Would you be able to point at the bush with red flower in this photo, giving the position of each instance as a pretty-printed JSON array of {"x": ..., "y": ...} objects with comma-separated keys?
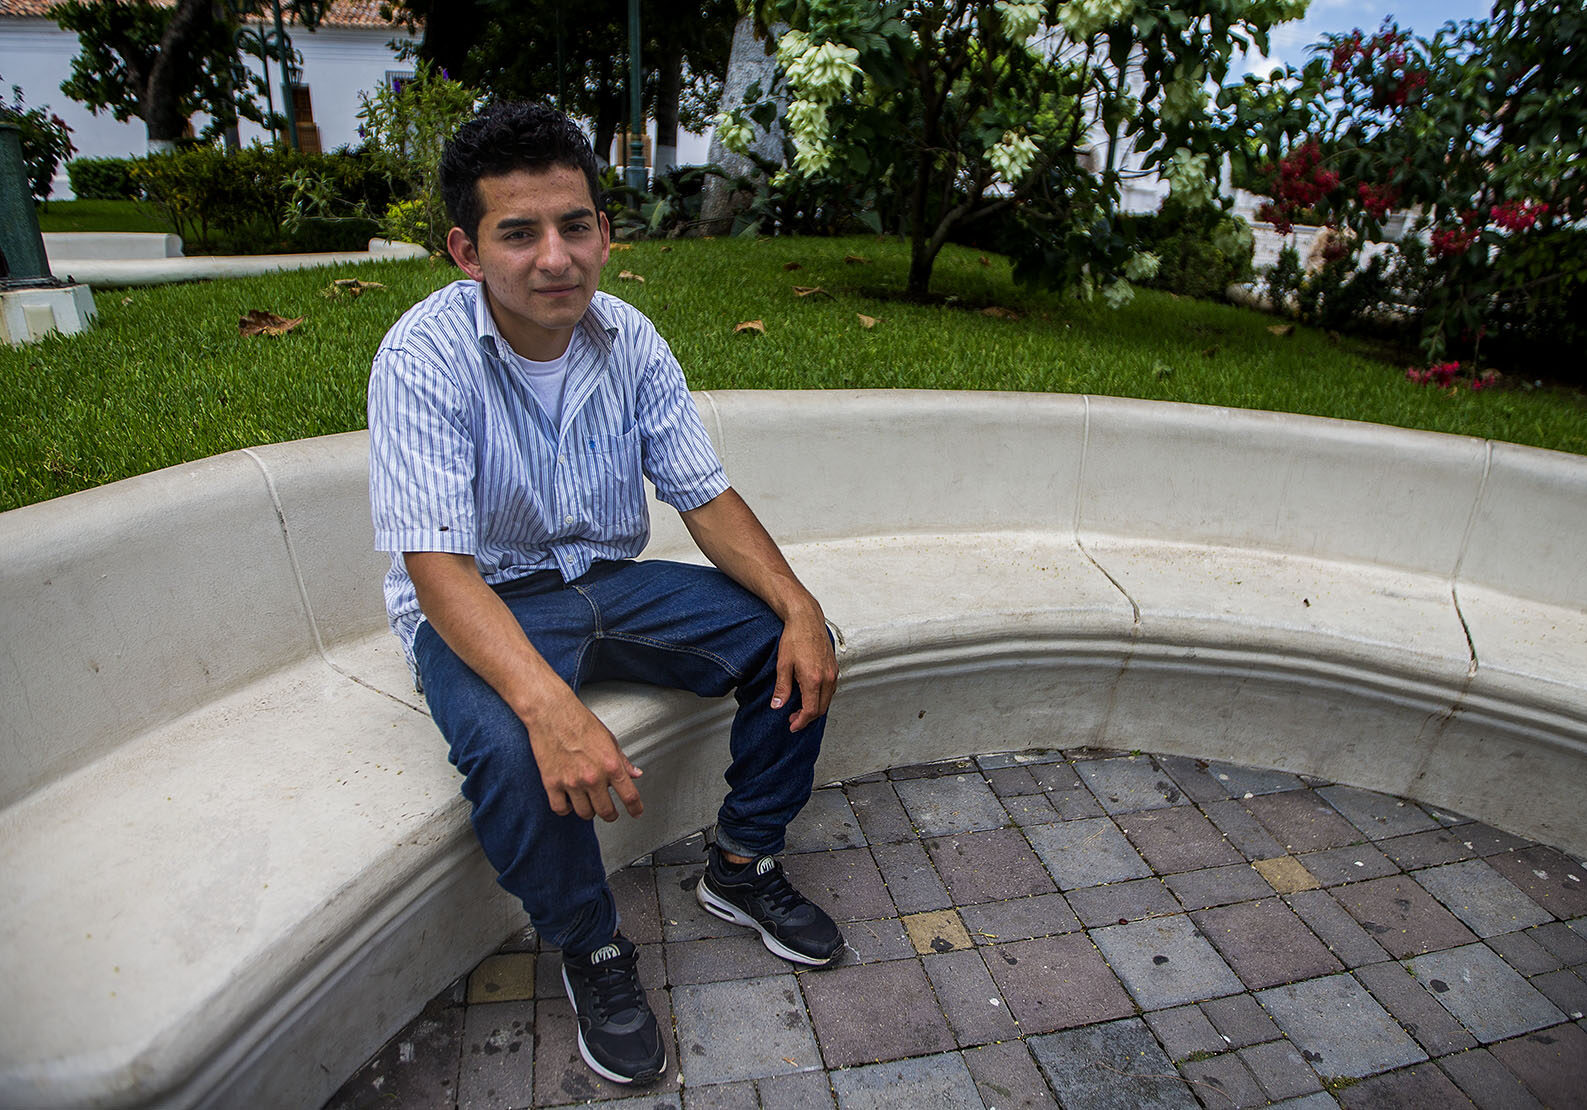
[{"x": 1479, "y": 131}]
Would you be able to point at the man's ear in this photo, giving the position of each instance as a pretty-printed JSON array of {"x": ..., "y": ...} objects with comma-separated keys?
[
  {"x": 461, "y": 248},
  {"x": 606, "y": 237}
]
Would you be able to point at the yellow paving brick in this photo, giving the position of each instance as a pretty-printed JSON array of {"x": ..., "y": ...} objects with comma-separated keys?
[
  {"x": 505, "y": 978},
  {"x": 937, "y": 931},
  {"x": 1286, "y": 874}
]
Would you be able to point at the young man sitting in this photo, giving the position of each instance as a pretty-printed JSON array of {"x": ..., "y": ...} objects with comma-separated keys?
[{"x": 512, "y": 417}]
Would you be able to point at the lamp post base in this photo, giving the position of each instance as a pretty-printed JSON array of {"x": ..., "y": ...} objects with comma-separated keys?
[{"x": 27, "y": 315}]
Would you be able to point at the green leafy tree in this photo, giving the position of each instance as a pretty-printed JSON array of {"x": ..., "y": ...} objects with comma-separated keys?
[
  {"x": 162, "y": 63},
  {"x": 970, "y": 112},
  {"x": 1478, "y": 129},
  {"x": 579, "y": 59}
]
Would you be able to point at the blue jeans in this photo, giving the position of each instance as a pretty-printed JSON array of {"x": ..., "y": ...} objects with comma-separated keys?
[{"x": 662, "y": 623}]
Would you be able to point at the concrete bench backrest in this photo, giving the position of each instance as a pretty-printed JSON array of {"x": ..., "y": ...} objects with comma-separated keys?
[
  {"x": 1527, "y": 535},
  {"x": 817, "y": 465},
  {"x": 131, "y": 604},
  {"x": 134, "y": 603},
  {"x": 1327, "y": 489}
]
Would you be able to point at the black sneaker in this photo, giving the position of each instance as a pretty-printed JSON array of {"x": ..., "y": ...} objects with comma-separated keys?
[
  {"x": 618, "y": 1036},
  {"x": 757, "y": 895}
]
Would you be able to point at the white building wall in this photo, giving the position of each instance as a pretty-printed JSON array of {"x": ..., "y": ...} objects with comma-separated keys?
[
  {"x": 338, "y": 64},
  {"x": 37, "y": 55}
]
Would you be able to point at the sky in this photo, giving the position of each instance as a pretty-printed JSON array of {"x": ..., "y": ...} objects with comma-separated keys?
[{"x": 1422, "y": 17}]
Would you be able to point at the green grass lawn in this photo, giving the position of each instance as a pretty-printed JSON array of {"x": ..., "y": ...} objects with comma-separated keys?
[
  {"x": 100, "y": 215},
  {"x": 165, "y": 377}
]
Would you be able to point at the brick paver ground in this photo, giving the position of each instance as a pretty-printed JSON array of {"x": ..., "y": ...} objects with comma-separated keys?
[{"x": 1070, "y": 929}]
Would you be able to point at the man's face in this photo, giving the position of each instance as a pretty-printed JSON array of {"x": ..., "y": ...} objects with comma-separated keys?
[{"x": 539, "y": 253}]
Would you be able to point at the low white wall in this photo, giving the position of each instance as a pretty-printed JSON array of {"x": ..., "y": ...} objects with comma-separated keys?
[{"x": 109, "y": 271}]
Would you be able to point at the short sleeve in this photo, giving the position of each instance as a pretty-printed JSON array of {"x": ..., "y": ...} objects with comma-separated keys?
[
  {"x": 421, "y": 457},
  {"x": 677, "y": 453}
]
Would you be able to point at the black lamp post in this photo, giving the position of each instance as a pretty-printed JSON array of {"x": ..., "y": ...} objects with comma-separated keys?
[
  {"x": 634, "y": 175},
  {"x": 23, "y": 264}
]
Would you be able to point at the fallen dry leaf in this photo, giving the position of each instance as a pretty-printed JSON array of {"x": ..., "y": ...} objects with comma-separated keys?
[
  {"x": 622, "y": 246},
  {"x": 260, "y": 322},
  {"x": 1281, "y": 329},
  {"x": 999, "y": 312},
  {"x": 809, "y": 291},
  {"x": 126, "y": 300},
  {"x": 792, "y": 266},
  {"x": 866, "y": 321},
  {"x": 629, "y": 275},
  {"x": 750, "y": 325},
  {"x": 664, "y": 250},
  {"x": 856, "y": 260},
  {"x": 352, "y": 287},
  {"x": 985, "y": 261}
]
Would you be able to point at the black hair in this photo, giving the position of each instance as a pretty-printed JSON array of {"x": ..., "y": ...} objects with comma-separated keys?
[{"x": 505, "y": 136}]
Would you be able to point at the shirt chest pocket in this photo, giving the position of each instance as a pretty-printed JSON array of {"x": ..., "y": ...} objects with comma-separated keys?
[{"x": 610, "y": 475}]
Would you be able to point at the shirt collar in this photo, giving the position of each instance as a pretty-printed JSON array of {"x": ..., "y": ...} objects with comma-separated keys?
[{"x": 594, "y": 324}]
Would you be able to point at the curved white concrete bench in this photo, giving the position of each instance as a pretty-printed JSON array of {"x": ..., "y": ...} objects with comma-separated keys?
[
  {"x": 112, "y": 272},
  {"x": 234, "y": 854}
]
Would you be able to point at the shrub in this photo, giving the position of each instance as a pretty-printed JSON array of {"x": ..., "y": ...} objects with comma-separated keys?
[
  {"x": 408, "y": 130},
  {"x": 267, "y": 199},
  {"x": 102, "y": 178},
  {"x": 1200, "y": 251},
  {"x": 1480, "y": 130}
]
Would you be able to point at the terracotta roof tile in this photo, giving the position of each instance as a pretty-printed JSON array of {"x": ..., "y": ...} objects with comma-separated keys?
[{"x": 342, "y": 13}]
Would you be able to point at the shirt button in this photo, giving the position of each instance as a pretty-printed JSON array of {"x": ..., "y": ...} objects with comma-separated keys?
[
  {"x": 567, "y": 520},
  {"x": 562, "y": 458}
]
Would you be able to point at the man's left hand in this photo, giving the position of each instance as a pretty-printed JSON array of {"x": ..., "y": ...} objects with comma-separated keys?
[{"x": 805, "y": 657}]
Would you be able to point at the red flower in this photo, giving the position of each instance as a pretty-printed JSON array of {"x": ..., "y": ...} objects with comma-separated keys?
[
  {"x": 1452, "y": 241},
  {"x": 1517, "y": 215}
]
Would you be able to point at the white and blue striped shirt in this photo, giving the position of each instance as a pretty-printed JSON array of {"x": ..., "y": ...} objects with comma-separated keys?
[{"x": 463, "y": 459}]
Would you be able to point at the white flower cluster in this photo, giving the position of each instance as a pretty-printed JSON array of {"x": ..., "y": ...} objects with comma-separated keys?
[
  {"x": 1185, "y": 96},
  {"x": 734, "y": 131},
  {"x": 1019, "y": 19},
  {"x": 818, "y": 76},
  {"x": 1084, "y": 18},
  {"x": 1188, "y": 181},
  {"x": 1118, "y": 293},
  {"x": 1141, "y": 266},
  {"x": 1012, "y": 157}
]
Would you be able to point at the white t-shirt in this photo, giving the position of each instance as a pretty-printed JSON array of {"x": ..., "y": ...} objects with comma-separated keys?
[{"x": 546, "y": 379}]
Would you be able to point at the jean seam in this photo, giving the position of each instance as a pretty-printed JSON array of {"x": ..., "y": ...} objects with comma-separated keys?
[
  {"x": 686, "y": 649},
  {"x": 589, "y": 641}
]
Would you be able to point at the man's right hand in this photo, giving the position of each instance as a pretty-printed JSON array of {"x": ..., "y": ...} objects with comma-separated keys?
[{"x": 580, "y": 762}]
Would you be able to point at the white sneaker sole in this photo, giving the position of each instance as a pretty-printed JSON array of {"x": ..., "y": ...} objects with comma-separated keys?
[
  {"x": 719, "y": 907},
  {"x": 642, "y": 1079}
]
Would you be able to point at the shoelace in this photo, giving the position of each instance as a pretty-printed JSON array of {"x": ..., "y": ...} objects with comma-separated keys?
[
  {"x": 777, "y": 892},
  {"x": 614, "y": 987}
]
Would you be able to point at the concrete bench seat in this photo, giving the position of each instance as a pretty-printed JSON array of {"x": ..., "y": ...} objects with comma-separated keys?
[{"x": 235, "y": 855}]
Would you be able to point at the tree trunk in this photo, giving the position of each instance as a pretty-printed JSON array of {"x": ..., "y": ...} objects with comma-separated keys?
[
  {"x": 172, "y": 73},
  {"x": 747, "y": 64},
  {"x": 669, "y": 92},
  {"x": 922, "y": 257}
]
